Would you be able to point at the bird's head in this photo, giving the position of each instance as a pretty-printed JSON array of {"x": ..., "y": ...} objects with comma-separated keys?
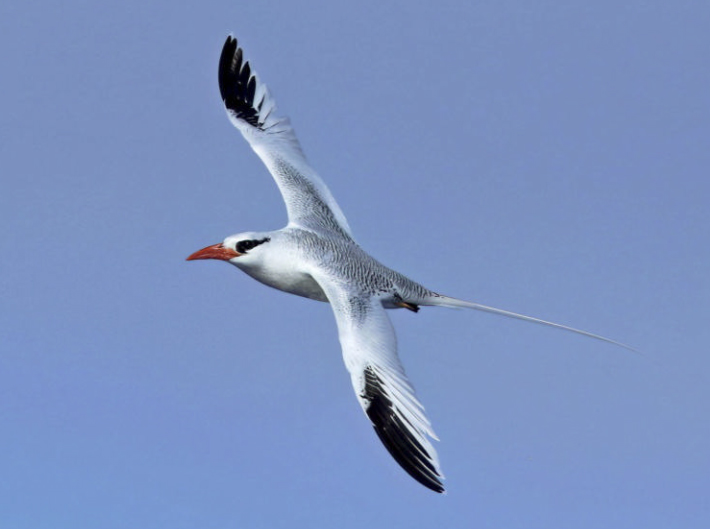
[{"x": 237, "y": 249}]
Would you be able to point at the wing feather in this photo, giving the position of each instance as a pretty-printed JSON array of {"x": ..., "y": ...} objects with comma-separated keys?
[
  {"x": 388, "y": 399},
  {"x": 251, "y": 109}
]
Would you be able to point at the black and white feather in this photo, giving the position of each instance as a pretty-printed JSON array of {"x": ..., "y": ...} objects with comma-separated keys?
[
  {"x": 252, "y": 110},
  {"x": 369, "y": 347}
]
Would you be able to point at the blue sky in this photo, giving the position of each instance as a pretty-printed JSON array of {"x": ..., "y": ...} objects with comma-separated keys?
[{"x": 547, "y": 158}]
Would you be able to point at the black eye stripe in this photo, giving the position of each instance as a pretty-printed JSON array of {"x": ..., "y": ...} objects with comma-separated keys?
[{"x": 245, "y": 246}]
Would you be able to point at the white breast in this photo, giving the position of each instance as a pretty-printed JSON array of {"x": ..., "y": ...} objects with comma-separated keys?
[{"x": 277, "y": 270}]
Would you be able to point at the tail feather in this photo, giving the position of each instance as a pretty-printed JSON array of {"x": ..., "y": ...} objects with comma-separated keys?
[{"x": 445, "y": 301}]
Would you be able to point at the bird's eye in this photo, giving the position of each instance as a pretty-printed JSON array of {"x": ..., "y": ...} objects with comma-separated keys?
[{"x": 245, "y": 246}]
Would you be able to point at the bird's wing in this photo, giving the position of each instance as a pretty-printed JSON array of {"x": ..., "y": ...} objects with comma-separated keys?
[
  {"x": 252, "y": 110},
  {"x": 370, "y": 352}
]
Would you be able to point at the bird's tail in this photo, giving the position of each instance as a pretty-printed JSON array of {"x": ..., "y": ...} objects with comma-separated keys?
[{"x": 445, "y": 301}]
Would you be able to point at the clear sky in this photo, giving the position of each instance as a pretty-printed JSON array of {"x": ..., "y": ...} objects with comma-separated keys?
[{"x": 549, "y": 158}]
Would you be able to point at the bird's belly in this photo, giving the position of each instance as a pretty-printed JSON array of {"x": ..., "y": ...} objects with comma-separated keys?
[{"x": 293, "y": 282}]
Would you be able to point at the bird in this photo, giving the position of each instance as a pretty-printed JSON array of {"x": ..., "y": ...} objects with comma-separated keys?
[{"x": 315, "y": 256}]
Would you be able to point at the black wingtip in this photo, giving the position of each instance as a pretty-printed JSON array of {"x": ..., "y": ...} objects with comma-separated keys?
[
  {"x": 397, "y": 437},
  {"x": 237, "y": 84},
  {"x": 225, "y": 64}
]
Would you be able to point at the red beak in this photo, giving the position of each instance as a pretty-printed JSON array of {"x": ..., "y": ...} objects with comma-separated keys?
[{"x": 216, "y": 251}]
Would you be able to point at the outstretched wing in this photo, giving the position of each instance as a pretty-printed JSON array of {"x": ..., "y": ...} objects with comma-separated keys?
[
  {"x": 386, "y": 396},
  {"x": 252, "y": 110}
]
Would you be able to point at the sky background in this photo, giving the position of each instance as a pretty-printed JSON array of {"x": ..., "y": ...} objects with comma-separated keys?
[{"x": 549, "y": 158}]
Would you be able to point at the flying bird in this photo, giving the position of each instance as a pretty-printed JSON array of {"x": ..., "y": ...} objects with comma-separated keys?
[{"x": 315, "y": 256}]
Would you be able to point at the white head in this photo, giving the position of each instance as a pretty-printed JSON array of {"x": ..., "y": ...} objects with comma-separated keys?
[{"x": 239, "y": 249}]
